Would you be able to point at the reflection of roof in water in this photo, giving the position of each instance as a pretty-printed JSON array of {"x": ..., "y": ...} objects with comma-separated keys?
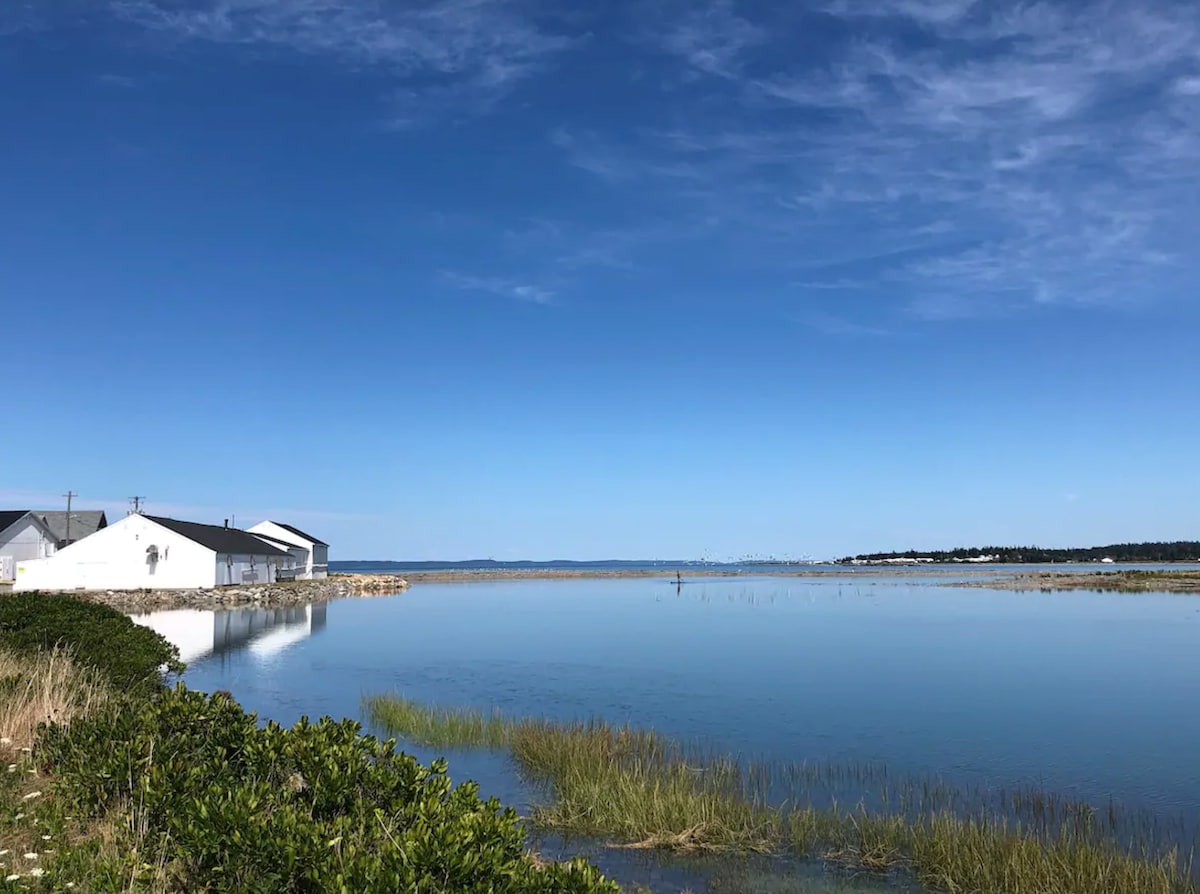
[{"x": 274, "y": 642}]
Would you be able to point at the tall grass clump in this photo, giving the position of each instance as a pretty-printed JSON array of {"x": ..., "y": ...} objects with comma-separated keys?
[
  {"x": 443, "y": 727},
  {"x": 647, "y": 791},
  {"x": 46, "y": 687}
]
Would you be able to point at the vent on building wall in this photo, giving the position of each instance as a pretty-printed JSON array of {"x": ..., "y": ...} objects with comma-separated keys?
[{"x": 152, "y": 553}]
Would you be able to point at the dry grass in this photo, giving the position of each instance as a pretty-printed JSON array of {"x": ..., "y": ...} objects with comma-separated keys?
[
  {"x": 40, "y": 689},
  {"x": 34, "y": 690}
]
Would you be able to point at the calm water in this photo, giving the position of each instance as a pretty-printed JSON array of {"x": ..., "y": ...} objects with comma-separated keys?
[{"x": 1090, "y": 695}]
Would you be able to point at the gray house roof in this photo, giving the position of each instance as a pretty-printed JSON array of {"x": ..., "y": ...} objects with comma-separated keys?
[
  {"x": 83, "y": 523},
  {"x": 9, "y": 517}
]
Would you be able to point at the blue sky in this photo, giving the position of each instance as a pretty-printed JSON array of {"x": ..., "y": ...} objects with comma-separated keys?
[{"x": 509, "y": 278}]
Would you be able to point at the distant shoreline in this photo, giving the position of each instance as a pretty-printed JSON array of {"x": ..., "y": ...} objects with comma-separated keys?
[
  {"x": 463, "y": 575},
  {"x": 981, "y": 576}
]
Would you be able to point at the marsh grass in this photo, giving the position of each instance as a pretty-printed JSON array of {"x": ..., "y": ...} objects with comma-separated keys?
[
  {"x": 444, "y": 727},
  {"x": 646, "y": 791}
]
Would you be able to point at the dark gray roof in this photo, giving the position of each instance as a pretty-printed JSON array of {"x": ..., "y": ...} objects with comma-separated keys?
[
  {"x": 83, "y": 522},
  {"x": 9, "y": 517},
  {"x": 218, "y": 539},
  {"x": 300, "y": 533}
]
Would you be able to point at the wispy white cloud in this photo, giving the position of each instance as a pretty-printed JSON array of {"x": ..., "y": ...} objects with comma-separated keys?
[
  {"x": 502, "y": 286},
  {"x": 1188, "y": 86},
  {"x": 930, "y": 12},
  {"x": 834, "y": 326},
  {"x": 712, "y": 38},
  {"x": 123, "y": 82},
  {"x": 966, "y": 153},
  {"x": 1025, "y": 153},
  {"x": 472, "y": 51}
]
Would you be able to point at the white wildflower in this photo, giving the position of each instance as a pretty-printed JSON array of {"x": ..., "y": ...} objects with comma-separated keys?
[
  {"x": 27, "y": 750},
  {"x": 45, "y": 838},
  {"x": 37, "y": 871},
  {"x": 5, "y": 740},
  {"x": 30, "y": 856},
  {"x": 18, "y": 817},
  {"x": 31, "y": 796},
  {"x": 16, "y": 876},
  {"x": 12, "y": 768},
  {"x": 5, "y": 852}
]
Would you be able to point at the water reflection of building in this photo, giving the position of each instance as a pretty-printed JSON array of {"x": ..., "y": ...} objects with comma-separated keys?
[{"x": 263, "y": 631}]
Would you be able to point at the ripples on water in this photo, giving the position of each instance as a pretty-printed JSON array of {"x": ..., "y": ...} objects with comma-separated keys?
[{"x": 893, "y": 691}]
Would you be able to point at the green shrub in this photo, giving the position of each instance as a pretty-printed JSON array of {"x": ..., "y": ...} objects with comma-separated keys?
[
  {"x": 128, "y": 654},
  {"x": 221, "y": 804}
]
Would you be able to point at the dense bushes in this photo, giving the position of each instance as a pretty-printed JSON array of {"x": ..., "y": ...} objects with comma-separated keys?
[
  {"x": 215, "y": 802},
  {"x": 166, "y": 790},
  {"x": 97, "y": 636}
]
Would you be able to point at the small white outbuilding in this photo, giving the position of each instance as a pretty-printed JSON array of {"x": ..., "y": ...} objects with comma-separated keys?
[
  {"x": 147, "y": 552},
  {"x": 316, "y": 562}
]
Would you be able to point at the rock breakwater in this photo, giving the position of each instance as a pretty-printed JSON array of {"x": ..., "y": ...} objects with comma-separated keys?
[{"x": 278, "y": 595}]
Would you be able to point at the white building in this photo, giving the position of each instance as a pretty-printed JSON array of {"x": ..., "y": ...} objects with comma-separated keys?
[
  {"x": 146, "y": 552},
  {"x": 23, "y": 535},
  {"x": 316, "y": 563},
  {"x": 300, "y": 557}
]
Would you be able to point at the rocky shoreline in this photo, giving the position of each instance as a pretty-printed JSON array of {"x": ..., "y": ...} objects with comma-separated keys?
[{"x": 279, "y": 595}]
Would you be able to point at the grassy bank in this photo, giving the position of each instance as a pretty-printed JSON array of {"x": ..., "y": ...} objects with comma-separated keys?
[
  {"x": 114, "y": 782},
  {"x": 645, "y": 791}
]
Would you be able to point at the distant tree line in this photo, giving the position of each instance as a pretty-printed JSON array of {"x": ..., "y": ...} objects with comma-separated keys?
[{"x": 1175, "y": 551}]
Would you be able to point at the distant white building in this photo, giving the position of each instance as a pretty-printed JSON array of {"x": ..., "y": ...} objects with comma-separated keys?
[
  {"x": 23, "y": 535},
  {"x": 316, "y": 561},
  {"x": 147, "y": 552}
]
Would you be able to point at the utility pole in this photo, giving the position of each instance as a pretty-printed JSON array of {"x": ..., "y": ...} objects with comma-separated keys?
[
  {"x": 70, "y": 495},
  {"x": 137, "y": 504}
]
